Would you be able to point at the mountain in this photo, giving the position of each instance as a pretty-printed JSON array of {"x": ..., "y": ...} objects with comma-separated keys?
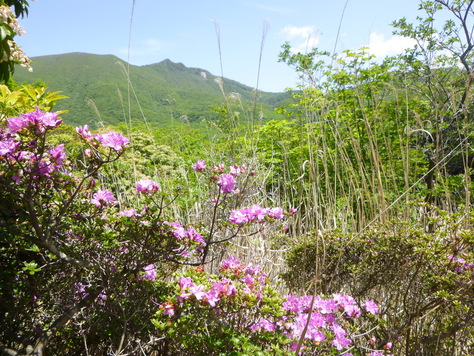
[{"x": 164, "y": 92}]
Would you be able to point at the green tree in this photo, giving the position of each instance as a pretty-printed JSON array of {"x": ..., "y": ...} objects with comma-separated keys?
[{"x": 10, "y": 53}]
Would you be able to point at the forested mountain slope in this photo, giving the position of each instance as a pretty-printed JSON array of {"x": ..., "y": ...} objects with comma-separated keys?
[{"x": 98, "y": 91}]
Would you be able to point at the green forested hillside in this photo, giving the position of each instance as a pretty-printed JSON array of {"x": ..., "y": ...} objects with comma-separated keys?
[{"x": 161, "y": 91}]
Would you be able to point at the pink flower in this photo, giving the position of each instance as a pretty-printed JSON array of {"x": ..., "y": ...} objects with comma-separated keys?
[
  {"x": 211, "y": 297},
  {"x": 103, "y": 198},
  {"x": 47, "y": 119},
  {"x": 200, "y": 166},
  {"x": 235, "y": 170},
  {"x": 275, "y": 213},
  {"x": 168, "y": 308},
  {"x": 219, "y": 168},
  {"x": 84, "y": 132},
  {"x": 146, "y": 185},
  {"x": 248, "y": 280},
  {"x": 36, "y": 120},
  {"x": 150, "y": 272},
  {"x": 193, "y": 235},
  {"x": 263, "y": 325},
  {"x": 252, "y": 270},
  {"x": 185, "y": 282},
  {"x": 371, "y": 307},
  {"x": 226, "y": 183},
  {"x": 224, "y": 288},
  {"x": 238, "y": 217},
  {"x": 58, "y": 155},
  {"x": 197, "y": 291},
  {"x": 113, "y": 140},
  {"x": 16, "y": 124},
  {"x": 256, "y": 212},
  {"x": 129, "y": 213},
  {"x": 8, "y": 146},
  {"x": 340, "y": 341},
  {"x": 231, "y": 263}
]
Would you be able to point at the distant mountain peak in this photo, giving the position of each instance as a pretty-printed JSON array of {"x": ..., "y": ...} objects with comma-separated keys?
[{"x": 87, "y": 78}]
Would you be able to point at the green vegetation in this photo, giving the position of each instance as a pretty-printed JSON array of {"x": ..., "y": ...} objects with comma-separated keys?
[
  {"x": 167, "y": 94},
  {"x": 341, "y": 223}
]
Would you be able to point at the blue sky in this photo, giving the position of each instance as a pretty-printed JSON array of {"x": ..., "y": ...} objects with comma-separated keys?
[{"x": 188, "y": 31}]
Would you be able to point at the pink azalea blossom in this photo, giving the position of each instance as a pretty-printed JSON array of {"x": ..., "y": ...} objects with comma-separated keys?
[
  {"x": 248, "y": 280},
  {"x": 371, "y": 307},
  {"x": 168, "y": 308},
  {"x": 193, "y": 235},
  {"x": 263, "y": 325},
  {"x": 113, "y": 140},
  {"x": 231, "y": 263},
  {"x": 255, "y": 212},
  {"x": 235, "y": 170},
  {"x": 128, "y": 213},
  {"x": 103, "y": 198},
  {"x": 340, "y": 341},
  {"x": 57, "y": 154},
  {"x": 200, "y": 166},
  {"x": 224, "y": 288},
  {"x": 219, "y": 168},
  {"x": 275, "y": 213},
  {"x": 146, "y": 185},
  {"x": 150, "y": 272},
  {"x": 211, "y": 297},
  {"x": 8, "y": 146},
  {"x": 36, "y": 119},
  {"x": 185, "y": 282},
  {"x": 251, "y": 270},
  {"x": 226, "y": 183},
  {"x": 84, "y": 132},
  {"x": 238, "y": 217},
  {"x": 197, "y": 291}
]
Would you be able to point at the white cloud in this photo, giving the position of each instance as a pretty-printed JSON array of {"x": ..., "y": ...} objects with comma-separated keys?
[
  {"x": 302, "y": 39},
  {"x": 381, "y": 47}
]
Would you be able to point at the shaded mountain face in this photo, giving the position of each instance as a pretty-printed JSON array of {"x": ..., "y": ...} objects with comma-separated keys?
[{"x": 99, "y": 90}]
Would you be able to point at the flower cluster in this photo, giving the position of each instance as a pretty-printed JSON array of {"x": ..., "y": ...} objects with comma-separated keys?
[
  {"x": 103, "y": 198},
  {"x": 225, "y": 181},
  {"x": 460, "y": 265},
  {"x": 147, "y": 186},
  {"x": 113, "y": 140},
  {"x": 200, "y": 166},
  {"x": 36, "y": 121},
  {"x": 9, "y": 25},
  {"x": 189, "y": 234},
  {"x": 26, "y": 154},
  {"x": 325, "y": 318},
  {"x": 322, "y": 321},
  {"x": 242, "y": 280},
  {"x": 149, "y": 272},
  {"x": 255, "y": 213},
  {"x": 7, "y": 17}
]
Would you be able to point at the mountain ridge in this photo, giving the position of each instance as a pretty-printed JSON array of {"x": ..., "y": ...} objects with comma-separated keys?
[{"x": 98, "y": 90}]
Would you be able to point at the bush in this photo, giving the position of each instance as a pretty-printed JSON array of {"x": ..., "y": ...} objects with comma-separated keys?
[
  {"x": 421, "y": 281},
  {"x": 83, "y": 272}
]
